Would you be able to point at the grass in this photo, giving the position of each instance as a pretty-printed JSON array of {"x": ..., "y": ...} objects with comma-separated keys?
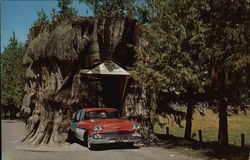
[
  {"x": 208, "y": 149},
  {"x": 204, "y": 150},
  {"x": 237, "y": 124}
]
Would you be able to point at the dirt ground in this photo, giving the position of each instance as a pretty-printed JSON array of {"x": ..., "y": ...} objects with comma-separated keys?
[{"x": 12, "y": 149}]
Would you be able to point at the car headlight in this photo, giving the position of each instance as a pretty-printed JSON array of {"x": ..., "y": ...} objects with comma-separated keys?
[
  {"x": 97, "y": 136},
  {"x": 97, "y": 128},
  {"x": 136, "y": 126}
]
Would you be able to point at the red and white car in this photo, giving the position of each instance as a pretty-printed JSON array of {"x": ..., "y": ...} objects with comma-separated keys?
[{"x": 102, "y": 126}]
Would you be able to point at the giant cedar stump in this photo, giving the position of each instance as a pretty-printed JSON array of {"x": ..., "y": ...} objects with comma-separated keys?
[{"x": 54, "y": 56}]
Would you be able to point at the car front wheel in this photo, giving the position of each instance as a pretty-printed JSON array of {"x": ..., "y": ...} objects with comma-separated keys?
[
  {"x": 89, "y": 144},
  {"x": 130, "y": 144}
]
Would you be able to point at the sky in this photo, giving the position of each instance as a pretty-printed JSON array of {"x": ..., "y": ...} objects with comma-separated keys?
[{"x": 19, "y": 15}]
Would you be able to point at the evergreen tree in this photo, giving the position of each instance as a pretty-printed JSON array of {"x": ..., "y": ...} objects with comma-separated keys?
[
  {"x": 228, "y": 60},
  {"x": 171, "y": 62},
  {"x": 146, "y": 11},
  {"x": 41, "y": 19},
  {"x": 65, "y": 11},
  {"x": 53, "y": 15},
  {"x": 102, "y": 8},
  {"x": 199, "y": 51},
  {"x": 12, "y": 76}
]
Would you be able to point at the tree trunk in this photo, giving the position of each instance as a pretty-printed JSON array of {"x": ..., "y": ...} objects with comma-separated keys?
[
  {"x": 189, "y": 117},
  {"x": 5, "y": 113},
  {"x": 47, "y": 126},
  {"x": 55, "y": 56},
  {"x": 12, "y": 112},
  {"x": 49, "y": 112},
  {"x": 140, "y": 106},
  {"x": 223, "y": 126},
  {"x": 153, "y": 107}
]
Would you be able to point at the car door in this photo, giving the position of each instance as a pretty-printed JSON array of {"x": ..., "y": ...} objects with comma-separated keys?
[
  {"x": 79, "y": 130},
  {"x": 74, "y": 122}
]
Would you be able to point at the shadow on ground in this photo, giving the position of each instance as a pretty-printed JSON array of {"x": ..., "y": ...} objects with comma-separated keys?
[
  {"x": 103, "y": 147},
  {"x": 207, "y": 150}
]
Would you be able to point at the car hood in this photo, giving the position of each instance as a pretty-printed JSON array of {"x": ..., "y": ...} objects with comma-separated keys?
[{"x": 112, "y": 124}]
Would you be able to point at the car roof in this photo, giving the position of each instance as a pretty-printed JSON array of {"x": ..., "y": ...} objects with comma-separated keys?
[{"x": 95, "y": 109}]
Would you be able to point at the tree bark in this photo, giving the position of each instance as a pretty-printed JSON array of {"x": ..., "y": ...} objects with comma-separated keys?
[
  {"x": 152, "y": 110},
  {"x": 223, "y": 125},
  {"x": 140, "y": 106},
  {"x": 189, "y": 117},
  {"x": 55, "y": 56},
  {"x": 12, "y": 112},
  {"x": 5, "y": 112}
]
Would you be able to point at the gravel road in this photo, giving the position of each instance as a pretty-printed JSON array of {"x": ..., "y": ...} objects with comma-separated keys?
[{"x": 12, "y": 149}]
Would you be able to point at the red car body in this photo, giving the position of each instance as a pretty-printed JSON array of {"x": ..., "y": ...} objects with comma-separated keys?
[{"x": 103, "y": 125}]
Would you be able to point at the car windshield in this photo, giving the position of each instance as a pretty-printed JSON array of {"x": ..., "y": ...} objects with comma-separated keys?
[{"x": 102, "y": 114}]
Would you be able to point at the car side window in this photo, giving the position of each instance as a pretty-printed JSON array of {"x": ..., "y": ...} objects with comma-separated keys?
[
  {"x": 78, "y": 115},
  {"x": 82, "y": 116}
]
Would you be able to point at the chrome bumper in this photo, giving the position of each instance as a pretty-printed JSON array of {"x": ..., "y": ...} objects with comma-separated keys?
[{"x": 114, "y": 137}]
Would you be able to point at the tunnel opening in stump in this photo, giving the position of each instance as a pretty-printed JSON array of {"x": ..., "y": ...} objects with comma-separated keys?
[{"x": 113, "y": 81}]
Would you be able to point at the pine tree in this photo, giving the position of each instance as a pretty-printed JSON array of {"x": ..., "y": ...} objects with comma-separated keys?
[
  {"x": 12, "y": 75},
  {"x": 42, "y": 18},
  {"x": 66, "y": 11},
  {"x": 171, "y": 63},
  {"x": 199, "y": 51},
  {"x": 102, "y": 8},
  {"x": 228, "y": 60},
  {"x": 53, "y": 15},
  {"x": 146, "y": 11}
]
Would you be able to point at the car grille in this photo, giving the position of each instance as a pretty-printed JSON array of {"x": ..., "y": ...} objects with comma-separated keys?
[{"x": 118, "y": 134}]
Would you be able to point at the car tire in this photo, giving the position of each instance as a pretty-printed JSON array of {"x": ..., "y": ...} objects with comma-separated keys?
[
  {"x": 71, "y": 137},
  {"x": 89, "y": 145},
  {"x": 130, "y": 144}
]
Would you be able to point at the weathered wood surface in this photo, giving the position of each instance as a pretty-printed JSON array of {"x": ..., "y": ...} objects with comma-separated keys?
[{"x": 54, "y": 57}]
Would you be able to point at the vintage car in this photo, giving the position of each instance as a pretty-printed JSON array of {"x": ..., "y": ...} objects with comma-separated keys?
[{"x": 103, "y": 125}]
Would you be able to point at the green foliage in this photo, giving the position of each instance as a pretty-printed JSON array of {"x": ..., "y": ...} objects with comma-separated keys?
[
  {"x": 171, "y": 63},
  {"x": 53, "y": 15},
  {"x": 146, "y": 11},
  {"x": 198, "y": 51},
  {"x": 12, "y": 74},
  {"x": 172, "y": 60},
  {"x": 66, "y": 11},
  {"x": 228, "y": 56},
  {"x": 41, "y": 19},
  {"x": 102, "y": 8}
]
